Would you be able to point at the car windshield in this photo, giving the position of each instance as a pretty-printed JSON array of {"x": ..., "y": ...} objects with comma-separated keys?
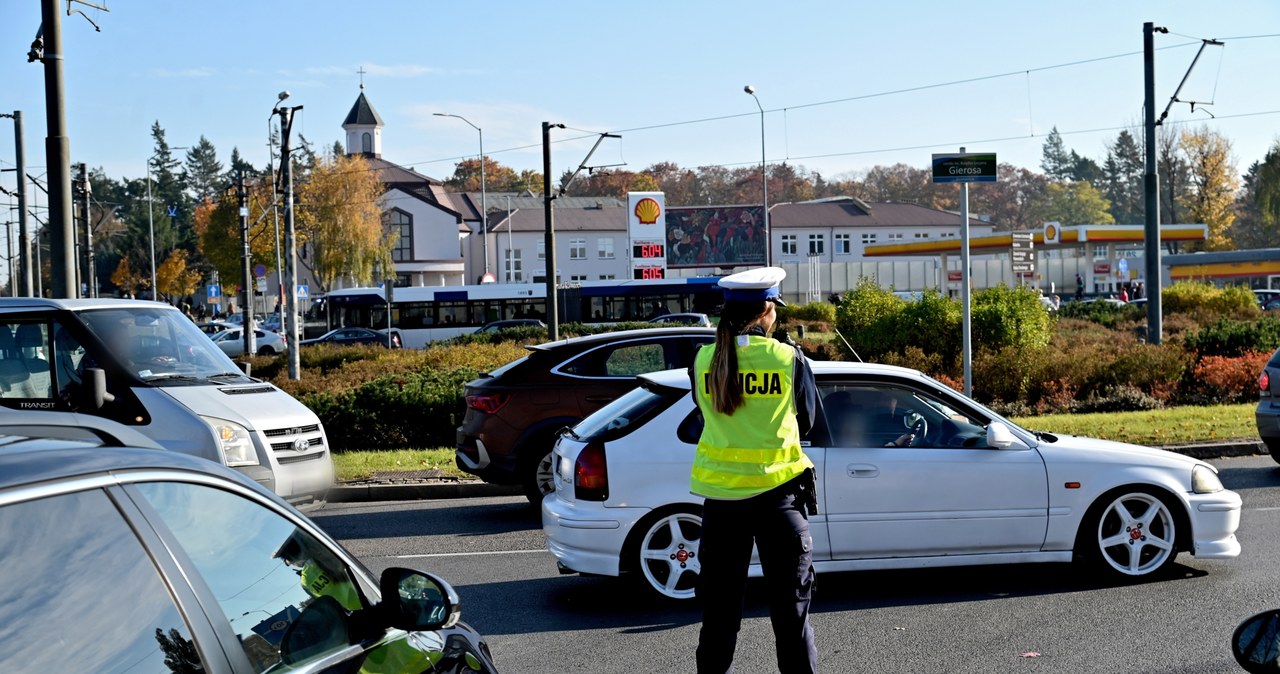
[{"x": 157, "y": 343}]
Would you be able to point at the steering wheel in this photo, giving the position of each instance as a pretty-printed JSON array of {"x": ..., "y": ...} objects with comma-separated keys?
[{"x": 918, "y": 430}]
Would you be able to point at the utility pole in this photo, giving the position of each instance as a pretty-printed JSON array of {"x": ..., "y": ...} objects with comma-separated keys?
[
  {"x": 58, "y": 149},
  {"x": 246, "y": 308},
  {"x": 91, "y": 271},
  {"x": 553, "y": 314},
  {"x": 24, "y": 244},
  {"x": 1151, "y": 186},
  {"x": 290, "y": 243}
]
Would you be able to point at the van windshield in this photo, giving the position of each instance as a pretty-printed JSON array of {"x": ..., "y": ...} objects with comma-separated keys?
[{"x": 157, "y": 343}]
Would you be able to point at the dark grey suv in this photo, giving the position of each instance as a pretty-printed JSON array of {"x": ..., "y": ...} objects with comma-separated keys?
[
  {"x": 1268, "y": 413},
  {"x": 125, "y": 559}
]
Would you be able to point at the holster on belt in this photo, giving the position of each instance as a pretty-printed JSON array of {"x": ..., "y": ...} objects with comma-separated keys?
[{"x": 808, "y": 497}]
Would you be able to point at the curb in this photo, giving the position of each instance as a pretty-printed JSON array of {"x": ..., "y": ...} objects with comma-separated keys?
[{"x": 369, "y": 493}]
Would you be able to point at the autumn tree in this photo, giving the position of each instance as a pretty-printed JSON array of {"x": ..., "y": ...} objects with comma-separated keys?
[
  {"x": 218, "y": 224},
  {"x": 174, "y": 278},
  {"x": 1175, "y": 175},
  {"x": 497, "y": 178},
  {"x": 608, "y": 183},
  {"x": 338, "y": 214},
  {"x": 1212, "y": 173},
  {"x": 1014, "y": 201},
  {"x": 1074, "y": 203},
  {"x": 127, "y": 280}
]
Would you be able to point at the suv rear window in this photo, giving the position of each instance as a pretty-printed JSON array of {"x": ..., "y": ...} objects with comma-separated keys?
[{"x": 625, "y": 414}]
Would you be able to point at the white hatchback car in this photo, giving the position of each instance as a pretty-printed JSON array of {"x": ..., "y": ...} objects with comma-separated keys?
[
  {"x": 970, "y": 488},
  {"x": 267, "y": 343}
]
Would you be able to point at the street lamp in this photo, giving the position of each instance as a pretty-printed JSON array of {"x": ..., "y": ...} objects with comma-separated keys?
[
  {"x": 151, "y": 226},
  {"x": 484, "y": 202},
  {"x": 764, "y": 179}
]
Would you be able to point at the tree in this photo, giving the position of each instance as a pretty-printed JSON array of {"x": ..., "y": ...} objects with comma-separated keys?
[
  {"x": 204, "y": 171},
  {"x": 1014, "y": 201},
  {"x": 174, "y": 278},
  {"x": 1074, "y": 203},
  {"x": 1175, "y": 180},
  {"x": 238, "y": 167},
  {"x": 338, "y": 213},
  {"x": 1122, "y": 179},
  {"x": 498, "y": 178},
  {"x": 127, "y": 280},
  {"x": 1258, "y": 206},
  {"x": 218, "y": 224},
  {"x": 1057, "y": 162},
  {"x": 1084, "y": 168},
  {"x": 1214, "y": 183}
]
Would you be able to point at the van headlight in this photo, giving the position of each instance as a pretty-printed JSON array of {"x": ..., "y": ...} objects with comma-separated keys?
[
  {"x": 1204, "y": 480},
  {"x": 234, "y": 441}
]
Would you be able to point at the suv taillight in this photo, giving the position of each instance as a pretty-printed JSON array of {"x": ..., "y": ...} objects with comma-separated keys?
[
  {"x": 1264, "y": 383},
  {"x": 591, "y": 474},
  {"x": 489, "y": 404}
]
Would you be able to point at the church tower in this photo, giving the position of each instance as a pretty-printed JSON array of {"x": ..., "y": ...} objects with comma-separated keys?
[{"x": 364, "y": 128}]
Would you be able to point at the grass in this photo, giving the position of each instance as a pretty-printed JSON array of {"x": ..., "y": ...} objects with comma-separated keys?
[{"x": 1173, "y": 426}]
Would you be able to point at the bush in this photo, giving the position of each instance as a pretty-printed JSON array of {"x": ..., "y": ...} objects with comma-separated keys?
[
  {"x": 931, "y": 325},
  {"x": 421, "y": 409},
  {"x": 867, "y": 317},
  {"x": 814, "y": 312},
  {"x": 1004, "y": 317},
  {"x": 1229, "y": 379},
  {"x": 1102, "y": 313},
  {"x": 1230, "y": 337},
  {"x": 1199, "y": 298},
  {"x": 1123, "y": 398}
]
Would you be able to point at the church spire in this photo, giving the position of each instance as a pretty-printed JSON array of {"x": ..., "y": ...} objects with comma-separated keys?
[{"x": 363, "y": 126}]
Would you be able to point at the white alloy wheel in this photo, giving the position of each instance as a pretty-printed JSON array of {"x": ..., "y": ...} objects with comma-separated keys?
[
  {"x": 668, "y": 554},
  {"x": 545, "y": 479},
  {"x": 1135, "y": 534}
]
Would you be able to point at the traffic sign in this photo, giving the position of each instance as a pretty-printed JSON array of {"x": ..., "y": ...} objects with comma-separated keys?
[
  {"x": 259, "y": 270},
  {"x": 303, "y": 292},
  {"x": 964, "y": 167}
]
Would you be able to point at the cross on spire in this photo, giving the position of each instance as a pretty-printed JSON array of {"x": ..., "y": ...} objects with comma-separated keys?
[{"x": 362, "y": 74}]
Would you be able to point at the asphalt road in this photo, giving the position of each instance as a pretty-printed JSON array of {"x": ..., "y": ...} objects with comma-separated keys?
[{"x": 1027, "y": 618}]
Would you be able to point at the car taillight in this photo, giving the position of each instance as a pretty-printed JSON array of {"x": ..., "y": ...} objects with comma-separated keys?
[
  {"x": 489, "y": 404},
  {"x": 1264, "y": 383},
  {"x": 591, "y": 474}
]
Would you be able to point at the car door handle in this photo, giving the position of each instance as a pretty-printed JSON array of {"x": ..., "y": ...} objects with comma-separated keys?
[{"x": 862, "y": 470}]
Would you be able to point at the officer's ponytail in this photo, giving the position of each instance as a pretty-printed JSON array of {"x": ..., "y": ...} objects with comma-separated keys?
[{"x": 735, "y": 319}]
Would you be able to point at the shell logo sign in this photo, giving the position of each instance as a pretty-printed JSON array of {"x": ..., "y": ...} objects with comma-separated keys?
[
  {"x": 1052, "y": 231},
  {"x": 647, "y": 211}
]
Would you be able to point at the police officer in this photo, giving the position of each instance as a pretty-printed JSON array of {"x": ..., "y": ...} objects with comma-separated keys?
[{"x": 757, "y": 397}]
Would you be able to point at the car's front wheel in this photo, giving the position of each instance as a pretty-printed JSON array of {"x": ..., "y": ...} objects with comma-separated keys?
[
  {"x": 266, "y": 351},
  {"x": 1130, "y": 533},
  {"x": 665, "y": 552},
  {"x": 536, "y": 477}
]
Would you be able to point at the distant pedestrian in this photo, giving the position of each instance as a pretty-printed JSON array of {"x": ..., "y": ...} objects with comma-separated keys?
[
  {"x": 1079, "y": 287},
  {"x": 1124, "y": 295}
]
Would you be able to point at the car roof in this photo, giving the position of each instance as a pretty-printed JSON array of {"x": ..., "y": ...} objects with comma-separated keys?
[
  {"x": 77, "y": 304},
  {"x": 679, "y": 378},
  {"x": 604, "y": 337},
  {"x": 26, "y": 461}
]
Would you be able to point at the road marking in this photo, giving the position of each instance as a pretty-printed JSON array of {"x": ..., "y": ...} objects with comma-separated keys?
[
  {"x": 1267, "y": 508},
  {"x": 467, "y": 554}
]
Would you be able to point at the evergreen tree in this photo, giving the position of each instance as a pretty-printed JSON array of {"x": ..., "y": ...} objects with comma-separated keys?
[
  {"x": 204, "y": 171},
  {"x": 238, "y": 167},
  {"x": 1122, "y": 179},
  {"x": 1057, "y": 162}
]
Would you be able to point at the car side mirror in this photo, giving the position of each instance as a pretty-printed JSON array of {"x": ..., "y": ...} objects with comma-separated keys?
[
  {"x": 1000, "y": 437},
  {"x": 417, "y": 601},
  {"x": 96, "y": 396},
  {"x": 1256, "y": 642}
]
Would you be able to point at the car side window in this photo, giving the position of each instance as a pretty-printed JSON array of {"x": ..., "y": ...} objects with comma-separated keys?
[
  {"x": 633, "y": 359},
  {"x": 24, "y": 369},
  {"x": 264, "y": 571},
  {"x": 878, "y": 414},
  {"x": 80, "y": 588}
]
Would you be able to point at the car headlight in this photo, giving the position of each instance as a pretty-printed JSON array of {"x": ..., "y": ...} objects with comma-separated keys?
[
  {"x": 234, "y": 441},
  {"x": 1204, "y": 480}
]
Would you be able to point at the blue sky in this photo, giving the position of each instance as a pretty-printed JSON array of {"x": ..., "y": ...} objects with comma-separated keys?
[{"x": 214, "y": 68}]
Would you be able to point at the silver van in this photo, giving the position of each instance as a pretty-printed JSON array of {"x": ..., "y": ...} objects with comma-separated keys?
[{"x": 146, "y": 365}]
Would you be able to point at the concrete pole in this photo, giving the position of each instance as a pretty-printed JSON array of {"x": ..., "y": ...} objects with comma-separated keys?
[
  {"x": 553, "y": 314},
  {"x": 24, "y": 241},
  {"x": 1151, "y": 188},
  {"x": 57, "y": 145},
  {"x": 290, "y": 246},
  {"x": 250, "y": 343}
]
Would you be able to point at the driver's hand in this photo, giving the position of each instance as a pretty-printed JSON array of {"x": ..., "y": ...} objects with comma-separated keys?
[{"x": 901, "y": 441}]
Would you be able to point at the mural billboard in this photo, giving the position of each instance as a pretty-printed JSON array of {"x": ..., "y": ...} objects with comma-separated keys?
[{"x": 715, "y": 236}]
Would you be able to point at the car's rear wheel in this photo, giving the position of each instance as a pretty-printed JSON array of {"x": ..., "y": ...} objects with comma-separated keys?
[
  {"x": 664, "y": 551},
  {"x": 536, "y": 476},
  {"x": 266, "y": 351},
  {"x": 1129, "y": 532},
  {"x": 1273, "y": 446}
]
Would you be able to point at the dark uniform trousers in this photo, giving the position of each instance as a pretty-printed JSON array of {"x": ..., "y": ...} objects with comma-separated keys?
[{"x": 776, "y": 522}]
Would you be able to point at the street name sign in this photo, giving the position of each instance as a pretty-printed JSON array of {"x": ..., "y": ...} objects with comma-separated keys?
[{"x": 964, "y": 167}]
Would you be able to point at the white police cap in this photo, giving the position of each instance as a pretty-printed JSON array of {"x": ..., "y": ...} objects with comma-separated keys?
[{"x": 754, "y": 285}]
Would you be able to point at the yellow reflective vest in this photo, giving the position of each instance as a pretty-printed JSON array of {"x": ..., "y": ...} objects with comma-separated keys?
[{"x": 756, "y": 448}]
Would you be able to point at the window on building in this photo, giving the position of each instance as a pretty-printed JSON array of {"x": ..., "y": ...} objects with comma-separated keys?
[
  {"x": 400, "y": 224},
  {"x": 577, "y": 249},
  {"x": 896, "y": 236},
  {"x": 604, "y": 248},
  {"x": 949, "y": 235},
  {"x": 842, "y": 244},
  {"x": 817, "y": 244},
  {"x": 513, "y": 271},
  {"x": 366, "y": 142},
  {"x": 868, "y": 238},
  {"x": 577, "y": 278},
  {"x": 788, "y": 244},
  {"x": 921, "y": 235},
  {"x": 542, "y": 250},
  {"x": 608, "y": 277}
]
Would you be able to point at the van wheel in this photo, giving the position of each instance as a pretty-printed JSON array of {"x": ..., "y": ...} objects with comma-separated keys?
[{"x": 266, "y": 351}]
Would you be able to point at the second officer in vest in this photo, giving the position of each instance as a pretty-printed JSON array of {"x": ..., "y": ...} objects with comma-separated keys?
[{"x": 757, "y": 397}]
